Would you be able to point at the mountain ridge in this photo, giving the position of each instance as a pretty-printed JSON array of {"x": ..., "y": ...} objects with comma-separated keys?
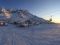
[{"x": 22, "y": 17}]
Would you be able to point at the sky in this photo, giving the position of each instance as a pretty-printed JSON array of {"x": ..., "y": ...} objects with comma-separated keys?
[{"x": 40, "y": 8}]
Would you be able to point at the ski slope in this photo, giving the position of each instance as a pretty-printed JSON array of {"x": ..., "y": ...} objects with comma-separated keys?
[{"x": 43, "y": 34}]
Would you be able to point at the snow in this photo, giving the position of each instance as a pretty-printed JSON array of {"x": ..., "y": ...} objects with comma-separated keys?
[
  {"x": 43, "y": 34},
  {"x": 23, "y": 15}
]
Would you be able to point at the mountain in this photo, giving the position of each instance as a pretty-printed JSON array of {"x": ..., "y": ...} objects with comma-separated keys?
[
  {"x": 22, "y": 16},
  {"x": 26, "y": 18}
]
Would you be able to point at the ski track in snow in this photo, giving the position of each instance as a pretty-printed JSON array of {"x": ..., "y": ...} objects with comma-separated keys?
[{"x": 43, "y": 34}]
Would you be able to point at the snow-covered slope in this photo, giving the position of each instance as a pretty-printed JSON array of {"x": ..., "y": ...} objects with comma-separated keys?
[
  {"x": 43, "y": 34},
  {"x": 23, "y": 15}
]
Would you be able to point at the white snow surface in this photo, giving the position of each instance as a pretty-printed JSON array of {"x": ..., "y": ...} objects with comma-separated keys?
[{"x": 43, "y": 34}]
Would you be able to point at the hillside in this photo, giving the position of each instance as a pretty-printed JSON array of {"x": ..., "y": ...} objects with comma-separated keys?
[{"x": 21, "y": 16}]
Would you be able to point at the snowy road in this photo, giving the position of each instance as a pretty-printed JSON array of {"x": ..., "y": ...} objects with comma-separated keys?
[{"x": 44, "y": 34}]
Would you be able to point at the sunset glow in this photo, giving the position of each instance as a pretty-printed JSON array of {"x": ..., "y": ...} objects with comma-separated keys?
[{"x": 6, "y": 13}]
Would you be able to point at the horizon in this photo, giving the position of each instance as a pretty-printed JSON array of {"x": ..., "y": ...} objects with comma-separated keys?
[{"x": 40, "y": 8}]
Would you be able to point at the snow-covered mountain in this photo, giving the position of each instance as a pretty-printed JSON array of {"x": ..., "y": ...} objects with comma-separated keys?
[{"x": 22, "y": 16}]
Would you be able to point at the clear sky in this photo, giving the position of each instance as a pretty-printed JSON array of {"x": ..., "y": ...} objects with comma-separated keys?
[{"x": 41, "y": 8}]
